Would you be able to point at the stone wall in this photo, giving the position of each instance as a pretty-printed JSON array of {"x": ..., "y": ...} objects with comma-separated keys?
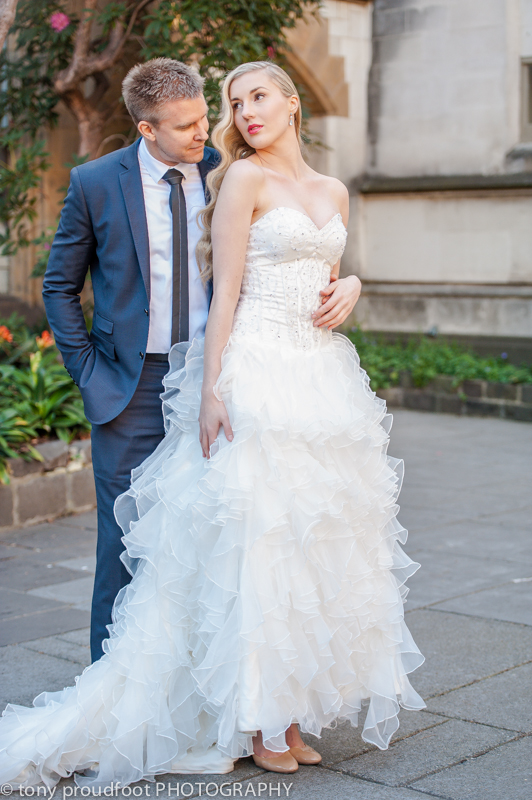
[
  {"x": 446, "y": 250},
  {"x": 445, "y": 84},
  {"x": 40, "y": 491}
]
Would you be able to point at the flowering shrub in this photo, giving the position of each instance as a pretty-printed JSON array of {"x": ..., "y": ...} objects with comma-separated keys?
[
  {"x": 59, "y": 21},
  {"x": 38, "y": 399},
  {"x": 5, "y": 334},
  {"x": 45, "y": 340},
  {"x": 423, "y": 358}
]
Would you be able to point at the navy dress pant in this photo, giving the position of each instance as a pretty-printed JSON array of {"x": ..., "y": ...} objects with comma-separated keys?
[{"x": 117, "y": 447}]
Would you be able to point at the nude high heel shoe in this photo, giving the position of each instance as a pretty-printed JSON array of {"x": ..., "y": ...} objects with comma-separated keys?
[
  {"x": 281, "y": 762},
  {"x": 305, "y": 755}
]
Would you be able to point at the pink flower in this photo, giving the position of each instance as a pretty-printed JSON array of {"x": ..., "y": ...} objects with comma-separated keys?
[
  {"x": 271, "y": 51},
  {"x": 59, "y": 21}
]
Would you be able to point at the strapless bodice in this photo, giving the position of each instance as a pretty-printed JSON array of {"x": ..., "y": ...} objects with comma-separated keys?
[{"x": 288, "y": 262}]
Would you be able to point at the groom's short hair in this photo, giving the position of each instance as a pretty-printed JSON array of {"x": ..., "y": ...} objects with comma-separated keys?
[{"x": 148, "y": 86}]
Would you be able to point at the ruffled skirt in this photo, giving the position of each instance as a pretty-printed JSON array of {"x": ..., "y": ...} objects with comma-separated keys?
[{"x": 268, "y": 582}]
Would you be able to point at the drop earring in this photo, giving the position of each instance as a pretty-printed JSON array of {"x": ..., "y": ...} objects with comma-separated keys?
[{"x": 291, "y": 122}]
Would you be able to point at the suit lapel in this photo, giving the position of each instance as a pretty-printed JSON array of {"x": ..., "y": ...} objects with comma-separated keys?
[
  {"x": 209, "y": 161},
  {"x": 131, "y": 184}
]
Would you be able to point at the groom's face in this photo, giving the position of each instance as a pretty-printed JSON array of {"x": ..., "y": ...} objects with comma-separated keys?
[{"x": 180, "y": 133}]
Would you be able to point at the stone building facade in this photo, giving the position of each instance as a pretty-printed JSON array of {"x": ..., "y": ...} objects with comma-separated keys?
[
  {"x": 436, "y": 149},
  {"x": 425, "y": 111}
]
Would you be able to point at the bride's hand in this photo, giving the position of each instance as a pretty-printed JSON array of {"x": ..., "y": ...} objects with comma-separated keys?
[
  {"x": 342, "y": 294},
  {"x": 213, "y": 414}
]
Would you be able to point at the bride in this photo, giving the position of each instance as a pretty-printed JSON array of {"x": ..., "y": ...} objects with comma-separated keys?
[{"x": 267, "y": 575}]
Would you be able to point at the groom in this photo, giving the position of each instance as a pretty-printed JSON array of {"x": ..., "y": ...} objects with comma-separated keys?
[{"x": 130, "y": 217}]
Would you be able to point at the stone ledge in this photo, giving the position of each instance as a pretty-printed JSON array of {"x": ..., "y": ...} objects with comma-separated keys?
[
  {"x": 472, "y": 398},
  {"x": 413, "y": 184},
  {"x": 41, "y": 491},
  {"x": 55, "y": 453}
]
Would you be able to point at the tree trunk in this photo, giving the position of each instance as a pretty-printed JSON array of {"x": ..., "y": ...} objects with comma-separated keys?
[
  {"x": 90, "y": 121},
  {"x": 8, "y": 9}
]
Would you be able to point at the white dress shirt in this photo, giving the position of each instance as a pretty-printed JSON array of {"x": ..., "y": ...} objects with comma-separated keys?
[{"x": 159, "y": 218}]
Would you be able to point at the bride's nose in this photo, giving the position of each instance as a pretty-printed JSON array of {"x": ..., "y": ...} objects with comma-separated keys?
[{"x": 247, "y": 111}]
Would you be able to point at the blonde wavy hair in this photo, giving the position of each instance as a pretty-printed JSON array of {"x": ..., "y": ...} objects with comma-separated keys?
[{"x": 232, "y": 146}]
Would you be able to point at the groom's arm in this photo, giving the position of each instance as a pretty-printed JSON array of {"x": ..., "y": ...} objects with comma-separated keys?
[
  {"x": 340, "y": 297},
  {"x": 71, "y": 254},
  {"x": 338, "y": 301}
]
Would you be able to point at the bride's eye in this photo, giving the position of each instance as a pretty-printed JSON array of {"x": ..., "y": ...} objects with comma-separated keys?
[
  {"x": 259, "y": 94},
  {"x": 236, "y": 105}
]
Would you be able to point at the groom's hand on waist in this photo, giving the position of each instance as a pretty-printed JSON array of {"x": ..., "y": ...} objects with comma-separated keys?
[{"x": 338, "y": 300}]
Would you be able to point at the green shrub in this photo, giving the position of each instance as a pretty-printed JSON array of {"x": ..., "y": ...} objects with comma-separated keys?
[
  {"x": 423, "y": 358},
  {"x": 38, "y": 398}
]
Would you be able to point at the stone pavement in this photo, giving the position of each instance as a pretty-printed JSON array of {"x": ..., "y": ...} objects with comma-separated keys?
[{"x": 467, "y": 503}]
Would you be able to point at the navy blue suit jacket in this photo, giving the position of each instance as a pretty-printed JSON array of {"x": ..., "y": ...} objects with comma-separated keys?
[{"x": 103, "y": 228}]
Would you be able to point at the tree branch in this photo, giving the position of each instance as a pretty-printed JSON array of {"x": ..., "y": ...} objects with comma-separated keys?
[
  {"x": 68, "y": 79},
  {"x": 83, "y": 65},
  {"x": 113, "y": 51},
  {"x": 8, "y": 9}
]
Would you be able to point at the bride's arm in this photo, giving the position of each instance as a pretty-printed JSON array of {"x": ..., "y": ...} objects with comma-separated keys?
[{"x": 230, "y": 231}]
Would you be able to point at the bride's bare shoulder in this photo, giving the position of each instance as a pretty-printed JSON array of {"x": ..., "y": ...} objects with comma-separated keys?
[
  {"x": 245, "y": 172},
  {"x": 241, "y": 185},
  {"x": 333, "y": 186}
]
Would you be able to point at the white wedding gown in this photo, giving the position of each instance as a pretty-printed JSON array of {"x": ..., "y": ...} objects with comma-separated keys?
[{"x": 268, "y": 581}]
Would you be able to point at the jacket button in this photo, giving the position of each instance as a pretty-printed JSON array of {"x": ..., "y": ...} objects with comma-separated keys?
[
  {"x": 141, "y": 355},
  {"x": 146, "y": 312}
]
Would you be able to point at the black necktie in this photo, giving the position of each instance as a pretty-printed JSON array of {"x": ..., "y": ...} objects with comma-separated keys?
[{"x": 179, "y": 256}]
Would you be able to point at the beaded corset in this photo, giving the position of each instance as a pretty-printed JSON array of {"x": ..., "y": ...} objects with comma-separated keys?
[{"x": 288, "y": 261}]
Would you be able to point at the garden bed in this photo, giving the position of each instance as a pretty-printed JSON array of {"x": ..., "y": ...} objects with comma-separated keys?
[
  {"x": 40, "y": 491},
  {"x": 432, "y": 374},
  {"x": 470, "y": 398},
  {"x": 41, "y": 410}
]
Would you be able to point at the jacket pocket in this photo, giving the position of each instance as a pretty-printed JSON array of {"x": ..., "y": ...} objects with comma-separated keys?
[
  {"x": 102, "y": 324},
  {"x": 102, "y": 344}
]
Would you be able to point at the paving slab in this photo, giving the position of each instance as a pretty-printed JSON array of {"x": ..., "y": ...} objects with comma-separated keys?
[
  {"x": 61, "y": 647},
  {"x": 25, "y": 673},
  {"x": 506, "y": 539},
  {"x": 502, "y": 774},
  {"x": 76, "y": 593},
  {"x": 460, "y": 650},
  {"x": 447, "y": 575},
  {"x": 343, "y": 742},
  {"x": 44, "y": 623},
  {"x": 425, "y": 752},
  {"x": 170, "y": 785},
  {"x": 308, "y": 783},
  {"x": 417, "y": 519},
  {"x": 317, "y": 783},
  {"x": 31, "y": 570},
  {"x": 462, "y": 501},
  {"x": 520, "y": 516},
  {"x": 87, "y": 521},
  {"x": 82, "y": 564},
  {"x": 71, "y": 540},
  {"x": 502, "y": 701},
  {"x": 15, "y": 604},
  {"x": 511, "y": 602},
  {"x": 7, "y": 551},
  {"x": 80, "y": 636}
]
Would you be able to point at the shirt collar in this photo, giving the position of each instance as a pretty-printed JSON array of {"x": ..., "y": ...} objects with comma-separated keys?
[{"x": 156, "y": 169}]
